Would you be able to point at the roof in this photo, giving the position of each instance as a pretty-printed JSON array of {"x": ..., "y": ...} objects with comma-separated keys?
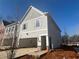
[
  {"x": 6, "y": 23},
  {"x": 28, "y": 10},
  {"x": 37, "y": 10}
]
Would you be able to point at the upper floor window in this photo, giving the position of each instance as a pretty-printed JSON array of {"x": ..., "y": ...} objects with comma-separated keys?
[
  {"x": 9, "y": 29},
  {"x": 13, "y": 28},
  {"x": 37, "y": 23},
  {"x": 24, "y": 26}
]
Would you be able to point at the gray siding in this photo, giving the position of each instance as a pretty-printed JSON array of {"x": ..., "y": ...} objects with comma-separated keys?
[
  {"x": 54, "y": 33},
  {"x": 28, "y": 42}
]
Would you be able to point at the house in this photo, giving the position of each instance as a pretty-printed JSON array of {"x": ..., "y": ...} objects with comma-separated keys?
[
  {"x": 38, "y": 29},
  {"x": 10, "y": 34},
  {"x": 2, "y": 30}
]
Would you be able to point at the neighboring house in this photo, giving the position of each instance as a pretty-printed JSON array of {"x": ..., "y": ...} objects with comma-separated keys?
[
  {"x": 2, "y": 30},
  {"x": 38, "y": 29},
  {"x": 10, "y": 34}
]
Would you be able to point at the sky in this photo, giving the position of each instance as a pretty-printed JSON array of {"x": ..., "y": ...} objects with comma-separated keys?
[{"x": 64, "y": 12}]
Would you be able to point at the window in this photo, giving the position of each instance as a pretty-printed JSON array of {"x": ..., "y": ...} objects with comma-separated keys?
[
  {"x": 6, "y": 30},
  {"x": 9, "y": 29},
  {"x": 24, "y": 26},
  {"x": 12, "y": 28},
  {"x": 37, "y": 23}
]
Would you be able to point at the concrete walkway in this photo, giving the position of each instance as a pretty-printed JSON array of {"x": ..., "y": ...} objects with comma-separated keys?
[
  {"x": 33, "y": 55},
  {"x": 24, "y": 51},
  {"x": 19, "y": 52}
]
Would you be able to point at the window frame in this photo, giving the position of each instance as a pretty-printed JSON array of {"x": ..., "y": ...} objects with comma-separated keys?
[
  {"x": 37, "y": 24},
  {"x": 24, "y": 26}
]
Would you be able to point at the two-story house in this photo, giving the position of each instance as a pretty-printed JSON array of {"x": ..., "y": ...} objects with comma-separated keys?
[{"x": 38, "y": 29}]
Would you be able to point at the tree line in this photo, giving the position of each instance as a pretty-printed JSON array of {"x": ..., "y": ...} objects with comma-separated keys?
[{"x": 70, "y": 39}]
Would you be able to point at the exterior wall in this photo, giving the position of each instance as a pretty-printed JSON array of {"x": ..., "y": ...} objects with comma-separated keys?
[
  {"x": 32, "y": 31},
  {"x": 54, "y": 33},
  {"x": 2, "y": 29}
]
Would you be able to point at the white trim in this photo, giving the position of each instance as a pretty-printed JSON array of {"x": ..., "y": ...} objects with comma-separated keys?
[
  {"x": 47, "y": 40},
  {"x": 37, "y": 10},
  {"x": 39, "y": 41},
  {"x": 43, "y": 35},
  {"x": 25, "y": 14}
]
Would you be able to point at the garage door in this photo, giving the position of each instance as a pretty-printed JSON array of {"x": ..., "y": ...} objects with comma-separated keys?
[
  {"x": 7, "y": 42},
  {"x": 28, "y": 43}
]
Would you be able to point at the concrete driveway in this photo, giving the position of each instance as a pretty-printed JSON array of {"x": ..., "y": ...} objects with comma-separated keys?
[{"x": 18, "y": 52}]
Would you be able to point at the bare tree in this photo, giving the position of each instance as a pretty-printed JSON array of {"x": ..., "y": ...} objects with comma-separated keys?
[
  {"x": 15, "y": 35},
  {"x": 65, "y": 38},
  {"x": 14, "y": 43}
]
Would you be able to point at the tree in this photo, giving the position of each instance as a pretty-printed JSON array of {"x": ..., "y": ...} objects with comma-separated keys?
[
  {"x": 65, "y": 38},
  {"x": 74, "y": 38}
]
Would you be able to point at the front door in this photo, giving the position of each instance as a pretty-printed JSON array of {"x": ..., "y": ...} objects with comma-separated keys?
[{"x": 43, "y": 42}]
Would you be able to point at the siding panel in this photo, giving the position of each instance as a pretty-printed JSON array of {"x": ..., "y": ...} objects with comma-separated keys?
[{"x": 30, "y": 42}]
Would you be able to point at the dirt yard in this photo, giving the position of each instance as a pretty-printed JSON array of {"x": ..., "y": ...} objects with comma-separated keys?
[{"x": 63, "y": 53}]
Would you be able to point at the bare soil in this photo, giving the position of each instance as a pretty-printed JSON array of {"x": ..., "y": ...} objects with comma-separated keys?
[{"x": 59, "y": 53}]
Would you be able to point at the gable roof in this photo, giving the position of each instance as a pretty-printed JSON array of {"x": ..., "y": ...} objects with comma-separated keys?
[
  {"x": 6, "y": 23},
  {"x": 37, "y": 13},
  {"x": 31, "y": 13}
]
